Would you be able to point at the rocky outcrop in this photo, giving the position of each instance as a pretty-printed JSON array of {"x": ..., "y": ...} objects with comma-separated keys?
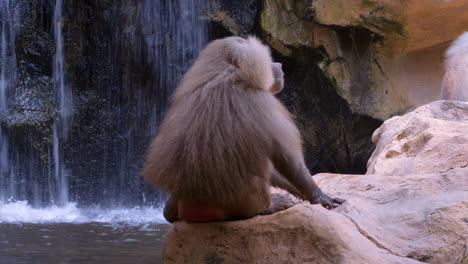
[
  {"x": 421, "y": 216},
  {"x": 336, "y": 138},
  {"x": 409, "y": 19},
  {"x": 303, "y": 234},
  {"x": 383, "y": 56},
  {"x": 413, "y": 215},
  {"x": 432, "y": 138},
  {"x": 349, "y": 64}
]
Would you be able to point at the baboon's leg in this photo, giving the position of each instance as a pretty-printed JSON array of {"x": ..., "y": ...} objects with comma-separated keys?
[{"x": 279, "y": 202}]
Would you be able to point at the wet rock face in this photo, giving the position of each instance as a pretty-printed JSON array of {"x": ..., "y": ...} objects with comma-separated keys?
[
  {"x": 31, "y": 109},
  {"x": 113, "y": 89},
  {"x": 34, "y": 99},
  {"x": 234, "y": 17}
]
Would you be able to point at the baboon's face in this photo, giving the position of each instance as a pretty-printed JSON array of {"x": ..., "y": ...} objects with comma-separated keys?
[{"x": 279, "y": 78}]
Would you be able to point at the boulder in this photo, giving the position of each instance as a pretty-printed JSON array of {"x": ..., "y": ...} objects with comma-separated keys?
[
  {"x": 432, "y": 138},
  {"x": 422, "y": 216},
  {"x": 302, "y": 234},
  {"x": 399, "y": 212}
]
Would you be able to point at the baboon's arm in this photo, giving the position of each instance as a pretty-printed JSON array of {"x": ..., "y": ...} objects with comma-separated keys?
[
  {"x": 279, "y": 181},
  {"x": 291, "y": 165}
]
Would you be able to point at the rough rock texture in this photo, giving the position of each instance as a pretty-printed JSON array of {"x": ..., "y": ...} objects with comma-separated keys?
[
  {"x": 415, "y": 217},
  {"x": 346, "y": 52},
  {"x": 421, "y": 216},
  {"x": 233, "y": 17},
  {"x": 302, "y": 234},
  {"x": 432, "y": 138},
  {"x": 335, "y": 138},
  {"x": 383, "y": 56},
  {"x": 418, "y": 21},
  {"x": 405, "y": 65}
]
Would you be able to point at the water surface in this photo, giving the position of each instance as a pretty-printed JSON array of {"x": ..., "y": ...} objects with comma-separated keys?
[{"x": 69, "y": 234}]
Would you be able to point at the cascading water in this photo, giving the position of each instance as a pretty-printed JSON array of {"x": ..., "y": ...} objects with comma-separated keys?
[
  {"x": 9, "y": 22},
  {"x": 62, "y": 117},
  {"x": 8, "y": 59},
  {"x": 78, "y": 181},
  {"x": 67, "y": 159},
  {"x": 174, "y": 35}
]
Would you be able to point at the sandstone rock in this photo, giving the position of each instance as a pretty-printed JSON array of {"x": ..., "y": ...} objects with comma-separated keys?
[
  {"x": 290, "y": 24},
  {"x": 432, "y": 138},
  {"x": 406, "y": 213},
  {"x": 418, "y": 23},
  {"x": 385, "y": 57},
  {"x": 419, "y": 216},
  {"x": 335, "y": 136},
  {"x": 302, "y": 234},
  {"x": 348, "y": 53}
]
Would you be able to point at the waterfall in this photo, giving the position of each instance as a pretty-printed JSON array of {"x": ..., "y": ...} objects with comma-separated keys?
[
  {"x": 8, "y": 59},
  {"x": 174, "y": 35},
  {"x": 9, "y": 21},
  {"x": 97, "y": 136},
  {"x": 63, "y": 112}
]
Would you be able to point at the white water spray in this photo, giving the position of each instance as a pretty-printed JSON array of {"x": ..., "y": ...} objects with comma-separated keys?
[{"x": 22, "y": 212}]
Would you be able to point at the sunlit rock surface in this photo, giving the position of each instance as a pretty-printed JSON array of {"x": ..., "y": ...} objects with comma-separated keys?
[
  {"x": 384, "y": 57},
  {"x": 302, "y": 234},
  {"x": 406, "y": 213},
  {"x": 432, "y": 138},
  {"x": 412, "y": 18}
]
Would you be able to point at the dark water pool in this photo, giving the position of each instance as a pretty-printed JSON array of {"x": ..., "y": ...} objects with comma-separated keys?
[{"x": 81, "y": 243}]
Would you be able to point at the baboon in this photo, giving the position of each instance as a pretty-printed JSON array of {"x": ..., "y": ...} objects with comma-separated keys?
[
  {"x": 455, "y": 82},
  {"x": 226, "y": 139}
]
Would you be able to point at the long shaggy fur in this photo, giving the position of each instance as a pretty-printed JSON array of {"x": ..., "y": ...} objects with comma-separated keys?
[
  {"x": 455, "y": 81},
  {"x": 218, "y": 136}
]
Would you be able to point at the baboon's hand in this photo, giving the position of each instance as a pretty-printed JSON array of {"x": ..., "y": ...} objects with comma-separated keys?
[{"x": 326, "y": 201}]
